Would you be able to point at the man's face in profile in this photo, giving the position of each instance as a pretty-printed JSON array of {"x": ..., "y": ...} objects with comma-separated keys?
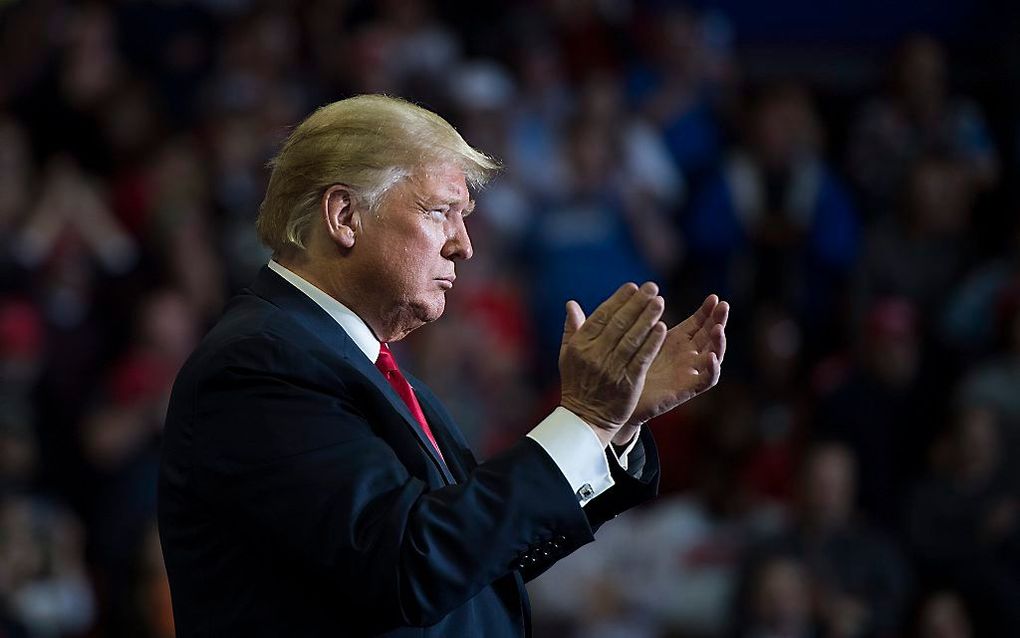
[{"x": 410, "y": 248}]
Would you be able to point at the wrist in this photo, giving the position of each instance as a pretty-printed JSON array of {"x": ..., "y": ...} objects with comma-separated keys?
[
  {"x": 602, "y": 429},
  {"x": 626, "y": 434}
]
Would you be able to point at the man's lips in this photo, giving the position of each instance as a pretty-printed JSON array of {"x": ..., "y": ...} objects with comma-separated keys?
[{"x": 446, "y": 282}]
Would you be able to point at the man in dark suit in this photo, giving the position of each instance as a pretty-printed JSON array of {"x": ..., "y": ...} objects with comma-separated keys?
[{"x": 308, "y": 487}]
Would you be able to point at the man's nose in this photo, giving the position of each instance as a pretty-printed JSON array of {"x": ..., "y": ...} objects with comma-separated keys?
[{"x": 458, "y": 246}]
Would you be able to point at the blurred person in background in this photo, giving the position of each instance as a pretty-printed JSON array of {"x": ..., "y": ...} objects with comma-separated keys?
[
  {"x": 678, "y": 85},
  {"x": 143, "y": 608},
  {"x": 587, "y": 242},
  {"x": 17, "y": 174},
  {"x": 994, "y": 381},
  {"x": 483, "y": 97},
  {"x": 64, "y": 111},
  {"x": 859, "y": 579},
  {"x": 22, "y": 350},
  {"x": 778, "y": 602},
  {"x": 975, "y": 312},
  {"x": 917, "y": 116},
  {"x": 72, "y": 215},
  {"x": 649, "y": 183},
  {"x": 942, "y": 614},
  {"x": 879, "y": 404},
  {"x": 646, "y": 167},
  {"x": 964, "y": 520},
  {"x": 18, "y": 453},
  {"x": 535, "y": 152},
  {"x": 776, "y": 407},
  {"x": 920, "y": 251},
  {"x": 44, "y": 589},
  {"x": 775, "y": 221},
  {"x": 184, "y": 241},
  {"x": 119, "y": 442},
  {"x": 74, "y": 257}
]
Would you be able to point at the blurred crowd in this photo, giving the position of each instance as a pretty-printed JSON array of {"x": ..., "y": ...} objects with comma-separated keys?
[{"x": 854, "y": 473}]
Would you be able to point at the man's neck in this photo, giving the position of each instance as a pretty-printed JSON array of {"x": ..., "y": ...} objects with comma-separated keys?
[{"x": 348, "y": 296}]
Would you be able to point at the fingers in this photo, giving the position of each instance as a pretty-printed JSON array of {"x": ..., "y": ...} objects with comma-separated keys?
[
  {"x": 573, "y": 321},
  {"x": 626, "y": 316},
  {"x": 721, "y": 313},
  {"x": 600, "y": 318},
  {"x": 710, "y": 303},
  {"x": 692, "y": 324},
  {"x": 719, "y": 342},
  {"x": 635, "y": 336},
  {"x": 703, "y": 338},
  {"x": 721, "y": 316},
  {"x": 649, "y": 349},
  {"x": 709, "y": 369}
]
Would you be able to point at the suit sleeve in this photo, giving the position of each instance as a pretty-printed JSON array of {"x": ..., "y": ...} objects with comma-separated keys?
[
  {"x": 291, "y": 456},
  {"x": 631, "y": 487}
]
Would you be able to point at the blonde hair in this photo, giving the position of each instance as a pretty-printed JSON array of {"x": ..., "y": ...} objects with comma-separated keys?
[{"x": 368, "y": 143}]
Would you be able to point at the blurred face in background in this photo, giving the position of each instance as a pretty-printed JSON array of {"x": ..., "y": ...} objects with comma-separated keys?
[
  {"x": 780, "y": 599},
  {"x": 829, "y": 487},
  {"x": 943, "y": 616},
  {"x": 920, "y": 76},
  {"x": 168, "y": 323},
  {"x": 938, "y": 197},
  {"x": 777, "y": 346},
  {"x": 784, "y": 128},
  {"x": 18, "y": 454},
  {"x": 601, "y": 99},
  {"x": 591, "y": 149},
  {"x": 681, "y": 45},
  {"x": 15, "y": 171},
  {"x": 91, "y": 67},
  {"x": 977, "y": 443},
  {"x": 892, "y": 342}
]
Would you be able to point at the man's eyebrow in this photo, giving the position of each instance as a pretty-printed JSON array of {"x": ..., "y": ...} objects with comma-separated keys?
[{"x": 430, "y": 203}]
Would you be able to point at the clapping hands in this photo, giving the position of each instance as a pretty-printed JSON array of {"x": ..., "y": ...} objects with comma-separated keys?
[{"x": 621, "y": 367}]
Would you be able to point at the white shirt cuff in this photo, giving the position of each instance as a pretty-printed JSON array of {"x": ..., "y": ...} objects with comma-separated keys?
[
  {"x": 577, "y": 451},
  {"x": 622, "y": 457}
]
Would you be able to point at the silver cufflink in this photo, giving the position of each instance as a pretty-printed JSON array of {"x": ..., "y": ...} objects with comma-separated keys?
[{"x": 585, "y": 492}]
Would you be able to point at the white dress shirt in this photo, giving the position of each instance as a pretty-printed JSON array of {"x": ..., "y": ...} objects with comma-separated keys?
[{"x": 572, "y": 444}]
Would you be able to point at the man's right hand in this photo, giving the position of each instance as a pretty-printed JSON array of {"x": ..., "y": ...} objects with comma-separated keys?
[{"x": 604, "y": 359}]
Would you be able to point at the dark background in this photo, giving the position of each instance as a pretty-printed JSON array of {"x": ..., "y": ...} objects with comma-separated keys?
[{"x": 843, "y": 173}]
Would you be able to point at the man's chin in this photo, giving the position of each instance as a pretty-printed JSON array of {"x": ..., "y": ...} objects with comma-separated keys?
[
  {"x": 429, "y": 311},
  {"x": 435, "y": 310}
]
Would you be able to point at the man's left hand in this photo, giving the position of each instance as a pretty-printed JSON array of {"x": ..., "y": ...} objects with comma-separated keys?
[{"x": 688, "y": 364}]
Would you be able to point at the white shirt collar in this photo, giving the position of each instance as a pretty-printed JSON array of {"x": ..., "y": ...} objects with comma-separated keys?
[{"x": 355, "y": 327}]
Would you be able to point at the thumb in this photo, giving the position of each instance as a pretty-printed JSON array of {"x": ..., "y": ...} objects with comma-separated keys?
[{"x": 574, "y": 319}]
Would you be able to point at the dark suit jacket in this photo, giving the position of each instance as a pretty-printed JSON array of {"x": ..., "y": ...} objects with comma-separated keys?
[{"x": 298, "y": 497}]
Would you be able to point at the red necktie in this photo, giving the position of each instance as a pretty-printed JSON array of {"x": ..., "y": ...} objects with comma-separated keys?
[{"x": 388, "y": 366}]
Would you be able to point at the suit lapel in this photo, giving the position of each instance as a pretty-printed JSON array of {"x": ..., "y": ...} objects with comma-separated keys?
[
  {"x": 442, "y": 429},
  {"x": 361, "y": 363},
  {"x": 317, "y": 321}
]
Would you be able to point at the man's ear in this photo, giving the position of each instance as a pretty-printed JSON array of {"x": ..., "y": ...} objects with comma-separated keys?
[{"x": 339, "y": 215}]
